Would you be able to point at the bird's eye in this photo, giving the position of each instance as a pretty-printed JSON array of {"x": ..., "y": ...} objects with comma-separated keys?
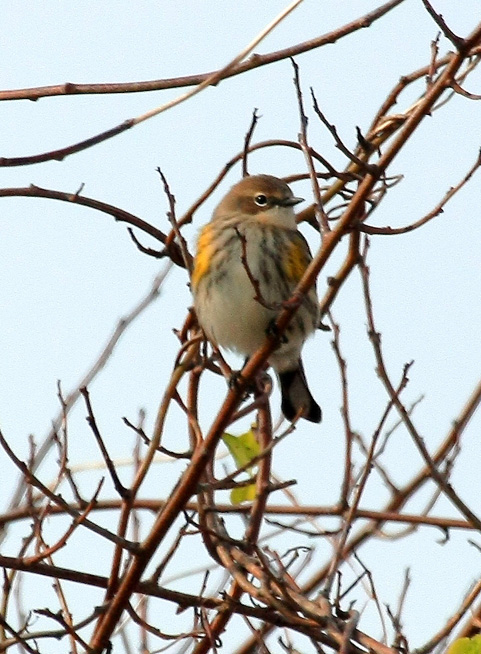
[{"x": 260, "y": 200}]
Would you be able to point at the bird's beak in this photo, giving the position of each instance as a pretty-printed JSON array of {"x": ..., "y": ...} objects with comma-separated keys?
[{"x": 290, "y": 202}]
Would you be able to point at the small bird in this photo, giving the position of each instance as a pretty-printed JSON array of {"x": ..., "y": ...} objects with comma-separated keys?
[{"x": 250, "y": 258}]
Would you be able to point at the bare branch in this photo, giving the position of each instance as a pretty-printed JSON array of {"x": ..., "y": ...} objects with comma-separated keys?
[
  {"x": 253, "y": 62},
  {"x": 458, "y": 43},
  {"x": 247, "y": 142}
]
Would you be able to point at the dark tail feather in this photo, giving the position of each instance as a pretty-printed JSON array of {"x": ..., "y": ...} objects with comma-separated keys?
[{"x": 296, "y": 396}]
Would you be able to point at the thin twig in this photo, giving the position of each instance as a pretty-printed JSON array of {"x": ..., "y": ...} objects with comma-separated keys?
[
  {"x": 101, "y": 361},
  {"x": 190, "y": 80},
  {"x": 457, "y": 41},
  {"x": 436, "y": 211},
  {"x": 438, "y": 477},
  {"x": 119, "y": 487},
  {"x": 180, "y": 242},
  {"x": 31, "y": 479},
  {"x": 247, "y": 142},
  {"x": 321, "y": 216}
]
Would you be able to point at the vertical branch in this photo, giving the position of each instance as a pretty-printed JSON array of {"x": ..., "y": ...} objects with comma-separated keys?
[
  {"x": 347, "y": 478},
  {"x": 70, "y": 400},
  {"x": 264, "y": 467},
  {"x": 335, "y": 282},
  {"x": 351, "y": 512},
  {"x": 247, "y": 142},
  {"x": 175, "y": 232},
  {"x": 319, "y": 210},
  {"x": 437, "y": 476},
  {"x": 256, "y": 516}
]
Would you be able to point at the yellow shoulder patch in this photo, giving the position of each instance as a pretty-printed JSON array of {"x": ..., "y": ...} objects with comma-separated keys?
[
  {"x": 204, "y": 255},
  {"x": 297, "y": 259}
]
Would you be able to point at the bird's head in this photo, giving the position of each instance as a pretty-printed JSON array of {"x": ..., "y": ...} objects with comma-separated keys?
[{"x": 263, "y": 197}]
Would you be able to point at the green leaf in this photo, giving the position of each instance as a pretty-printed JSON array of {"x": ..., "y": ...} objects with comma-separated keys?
[
  {"x": 466, "y": 646},
  {"x": 243, "y": 448},
  {"x": 243, "y": 494}
]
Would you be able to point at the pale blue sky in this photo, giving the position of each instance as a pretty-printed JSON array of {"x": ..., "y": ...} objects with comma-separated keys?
[{"x": 69, "y": 273}]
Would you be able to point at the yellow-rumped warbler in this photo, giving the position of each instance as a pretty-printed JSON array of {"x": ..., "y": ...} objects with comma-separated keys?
[{"x": 249, "y": 260}]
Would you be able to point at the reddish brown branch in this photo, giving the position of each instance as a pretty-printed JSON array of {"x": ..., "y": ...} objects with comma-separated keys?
[
  {"x": 391, "y": 508},
  {"x": 119, "y": 487},
  {"x": 59, "y": 501},
  {"x": 466, "y": 94},
  {"x": 173, "y": 252},
  {"x": 348, "y": 432},
  {"x": 255, "y": 61},
  {"x": 247, "y": 142},
  {"x": 437, "y": 476},
  {"x": 60, "y": 154},
  {"x": 62, "y": 541},
  {"x": 299, "y": 510},
  {"x": 438, "y": 209},
  {"x": 321, "y": 221},
  {"x": 172, "y": 245},
  {"x": 457, "y": 41}
]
